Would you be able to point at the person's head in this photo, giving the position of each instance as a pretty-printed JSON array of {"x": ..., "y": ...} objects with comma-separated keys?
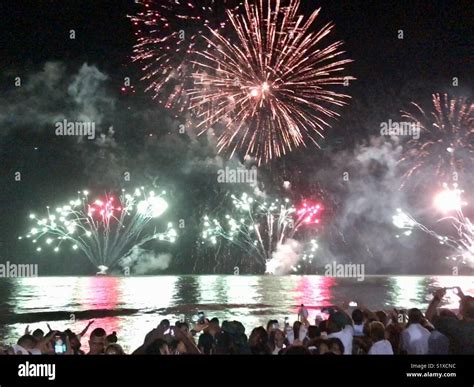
[
  {"x": 183, "y": 326},
  {"x": 114, "y": 349},
  {"x": 212, "y": 330},
  {"x": 173, "y": 346},
  {"x": 466, "y": 308},
  {"x": 277, "y": 338},
  {"x": 323, "y": 347},
  {"x": 357, "y": 316},
  {"x": 111, "y": 339},
  {"x": 222, "y": 343},
  {"x": 214, "y": 321},
  {"x": 258, "y": 340},
  {"x": 225, "y": 325},
  {"x": 415, "y": 316},
  {"x": 335, "y": 346},
  {"x": 382, "y": 316},
  {"x": 272, "y": 324},
  {"x": 239, "y": 327},
  {"x": 377, "y": 331},
  {"x": 393, "y": 333},
  {"x": 366, "y": 328},
  {"x": 158, "y": 347},
  {"x": 6, "y": 350},
  {"x": 296, "y": 328},
  {"x": 97, "y": 341},
  {"x": 235, "y": 341},
  {"x": 74, "y": 341},
  {"x": 336, "y": 322},
  {"x": 323, "y": 326},
  {"x": 258, "y": 336},
  {"x": 38, "y": 334},
  {"x": 28, "y": 342},
  {"x": 313, "y": 332}
]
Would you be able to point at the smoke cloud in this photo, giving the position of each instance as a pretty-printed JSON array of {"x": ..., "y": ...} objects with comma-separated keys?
[
  {"x": 53, "y": 94},
  {"x": 141, "y": 261},
  {"x": 284, "y": 257}
]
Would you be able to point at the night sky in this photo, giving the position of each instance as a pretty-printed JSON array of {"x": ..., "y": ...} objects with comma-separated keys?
[{"x": 391, "y": 72}]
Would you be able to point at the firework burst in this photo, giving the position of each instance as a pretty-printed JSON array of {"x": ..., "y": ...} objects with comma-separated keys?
[
  {"x": 309, "y": 212},
  {"x": 260, "y": 228},
  {"x": 462, "y": 244},
  {"x": 104, "y": 229},
  {"x": 270, "y": 85},
  {"x": 446, "y": 142},
  {"x": 449, "y": 199},
  {"x": 168, "y": 34}
]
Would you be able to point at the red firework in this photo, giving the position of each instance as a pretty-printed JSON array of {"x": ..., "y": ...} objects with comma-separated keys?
[
  {"x": 309, "y": 212},
  {"x": 103, "y": 209}
]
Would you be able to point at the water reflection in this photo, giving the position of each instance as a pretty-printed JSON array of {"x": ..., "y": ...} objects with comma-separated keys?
[
  {"x": 102, "y": 293},
  {"x": 406, "y": 292},
  {"x": 8, "y": 291},
  {"x": 34, "y": 294},
  {"x": 187, "y": 288},
  {"x": 313, "y": 291},
  {"x": 132, "y": 306},
  {"x": 242, "y": 290}
]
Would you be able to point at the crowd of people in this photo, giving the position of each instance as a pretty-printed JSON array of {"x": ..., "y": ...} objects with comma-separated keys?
[{"x": 358, "y": 332}]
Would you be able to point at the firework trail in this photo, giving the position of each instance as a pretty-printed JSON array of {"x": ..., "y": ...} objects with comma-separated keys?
[
  {"x": 446, "y": 142},
  {"x": 105, "y": 229},
  {"x": 270, "y": 85},
  {"x": 463, "y": 243},
  {"x": 168, "y": 34},
  {"x": 261, "y": 228}
]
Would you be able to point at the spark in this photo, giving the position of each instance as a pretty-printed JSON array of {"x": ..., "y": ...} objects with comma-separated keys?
[
  {"x": 449, "y": 199},
  {"x": 258, "y": 227},
  {"x": 105, "y": 229},
  {"x": 446, "y": 142},
  {"x": 270, "y": 83},
  {"x": 461, "y": 244},
  {"x": 169, "y": 32}
]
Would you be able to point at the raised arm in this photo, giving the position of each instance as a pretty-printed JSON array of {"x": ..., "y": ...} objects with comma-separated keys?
[
  {"x": 44, "y": 344},
  {"x": 432, "y": 310},
  {"x": 190, "y": 345},
  {"x": 154, "y": 334},
  {"x": 367, "y": 311},
  {"x": 86, "y": 328}
]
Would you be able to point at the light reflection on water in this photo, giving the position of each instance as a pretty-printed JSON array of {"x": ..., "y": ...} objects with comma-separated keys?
[{"x": 141, "y": 302}]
